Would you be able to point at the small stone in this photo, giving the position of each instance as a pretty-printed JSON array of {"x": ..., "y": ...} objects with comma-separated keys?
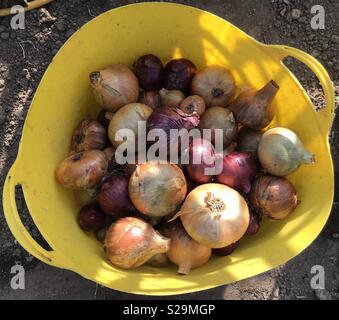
[
  {"x": 2, "y": 84},
  {"x": 296, "y": 13},
  {"x": 335, "y": 235},
  {"x": 3, "y": 68},
  {"x": 4, "y": 35},
  {"x": 315, "y": 53},
  {"x": 287, "y": 2},
  {"x": 2, "y": 28},
  {"x": 2, "y": 117},
  {"x": 325, "y": 46},
  {"x": 45, "y": 16},
  {"x": 13, "y": 35},
  {"x": 322, "y": 294},
  {"x": 29, "y": 258},
  {"x": 283, "y": 12},
  {"x": 61, "y": 25},
  {"x": 69, "y": 33},
  {"x": 335, "y": 39},
  {"x": 54, "y": 51},
  {"x": 295, "y": 33}
]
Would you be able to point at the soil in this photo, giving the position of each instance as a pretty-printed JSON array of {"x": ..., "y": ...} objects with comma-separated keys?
[{"x": 24, "y": 57}]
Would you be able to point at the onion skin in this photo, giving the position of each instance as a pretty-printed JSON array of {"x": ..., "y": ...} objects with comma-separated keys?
[
  {"x": 199, "y": 149},
  {"x": 84, "y": 197},
  {"x": 215, "y": 215},
  {"x": 281, "y": 152},
  {"x": 150, "y": 98},
  {"x": 193, "y": 104},
  {"x": 255, "y": 220},
  {"x": 113, "y": 197},
  {"x": 82, "y": 170},
  {"x": 274, "y": 197},
  {"x": 254, "y": 109},
  {"x": 130, "y": 242},
  {"x": 178, "y": 74},
  {"x": 239, "y": 169},
  {"x": 226, "y": 251},
  {"x": 149, "y": 71},
  {"x": 185, "y": 252},
  {"x": 160, "y": 260},
  {"x": 114, "y": 87},
  {"x": 104, "y": 117},
  {"x": 248, "y": 141},
  {"x": 91, "y": 218},
  {"x": 88, "y": 135},
  {"x": 171, "y": 98},
  {"x": 157, "y": 189},
  {"x": 219, "y": 118},
  {"x": 215, "y": 84}
]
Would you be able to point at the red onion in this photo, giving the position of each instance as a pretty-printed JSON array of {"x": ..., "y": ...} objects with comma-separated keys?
[
  {"x": 226, "y": 250},
  {"x": 91, "y": 218},
  {"x": 149, "y": 71},
  {"x": 239, "y": 168},
  {"x": 254, "y": 224},
  {"x": 201, "y": 157},
  {"x": 178, "y": 74},
  {"x": 113, "y": 197}
]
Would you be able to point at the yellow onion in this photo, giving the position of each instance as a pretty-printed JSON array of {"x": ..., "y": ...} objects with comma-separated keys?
[
  {"x": 114, "y": 87},
  {"x": 193, "y": 104},
  {"x": 88, "y": 135},
  {"x": 127, "y": 118},
  {"x": 274, "y": 197},
  {"x": 82, "y": 170},
  {"x": 171, "y": 98},
  {"x": 185, "y": 252},
  {"x": 130, "y": 242},
  {"x": 215, "y": 84},
  {"x": 157, "y": 189},
  {"x": 214, "y": 215},
  {"x": 160, "y": 260},
  {"x": 254, "y": 109},
  {"x": 219, "y": 118},
  {"x": 281, "y": 152}
]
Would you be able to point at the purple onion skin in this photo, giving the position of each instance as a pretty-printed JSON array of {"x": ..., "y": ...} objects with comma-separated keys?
[
  {"x": 254, "y": 224},
  {"x": 178, "y": 75},
  {"x": 113, "y": 197},
  {"x": 222, "y": 252},
  {"x": 239, "y": 169},
  {"x": 149, "y": 71},
  {"x": 102, "y": 119},
  {"x": 200, "y": 148},
  {"x": 91, "y": 218}
]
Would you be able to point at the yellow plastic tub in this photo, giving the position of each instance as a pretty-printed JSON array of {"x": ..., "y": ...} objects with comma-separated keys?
[{"x": 64, "y": 98}]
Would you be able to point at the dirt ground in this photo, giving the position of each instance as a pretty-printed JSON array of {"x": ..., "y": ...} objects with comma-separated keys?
[{"x": 24, "y": 57}]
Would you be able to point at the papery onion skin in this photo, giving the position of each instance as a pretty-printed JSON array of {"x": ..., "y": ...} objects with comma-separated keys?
[
  {"x": 281, "y": 152},
  {"x": 150, "y": 98},
  {"x": 104, "y": 117},
  {"x": 215, "y": 84},
  {"x": 127, "y": 118},
  {"x": 219, "y": 118},
  {"x": 201, "y": 151},
  {"x": 178, "y": 74},
  {"x": 239, "y": 169},
  {"x": 91, "y": 218},
  {"x": 248, "y": 140},
  {"x": 130, "y": 242},
  {"x": 171, "y": 98},
  {"x": 215, "y": 215},
  {"x": 193, "y": 104},
  {"x": 114, "y": 87},
  {"x": 157, "y": 189},
  {"x": 82, "y": 170},
  {"x": 226, "y": 251},
  {"x": 149, "y": 71},
  {"x": 254, "y": 109},
  {"x": 185, "y": 252},
  {"x": 274, "y": 197},
  {"x": 113, "y": 196},
  {"x": 88, "y": 135}
]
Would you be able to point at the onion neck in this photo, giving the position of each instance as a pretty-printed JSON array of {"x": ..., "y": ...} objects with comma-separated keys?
[
  {"x": 184, "y": 268},
  {"x": 214, "y": 204},
  {"x": 308, "y": 158},
  {"x": 268, "y": 91}
]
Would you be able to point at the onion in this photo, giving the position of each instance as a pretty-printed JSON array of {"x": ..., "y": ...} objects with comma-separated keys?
[
  {"x": 239, "y": 168},
  {"x": 149, "y": 70},
  {"x": 84, "y": 197},
  {"x": 82, "y": 170},
  {"x": 113, "y": 197},
  {"x": 281, "y": 152},
  {"x": 185, "y": 252},
  {"x": 109, "y": 152},
  {"x": 114, "y": 87},
  {"x": 254, "y": 224},
  {"x": 130, "y": 242},
  {"x": 275, "y": 197},
  {"x": 201, "y": 157},
  {"x": 171, "y": 98},
  {"x": 127, "y": 118},
  {"x": 159, "y": 260},
  {"x": 150, "y": 98},
  {"x": 219, "y": 118},
  {"x": 104, "y": 117},
  {"x": 253, "y": 109},
  {"x": 91, "y": 218},
  {"x": 193, "y": 104},
  {"x": 178, "y": 74},
  {"x": 248, "y": 141},
  {"x": 214, "y": 215},
  {"x": 157, "y": 189},
  {"x": 222, "y": 252},
  {"x": 88, "y": 135},
  {"x": 215, "y": 84}
]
